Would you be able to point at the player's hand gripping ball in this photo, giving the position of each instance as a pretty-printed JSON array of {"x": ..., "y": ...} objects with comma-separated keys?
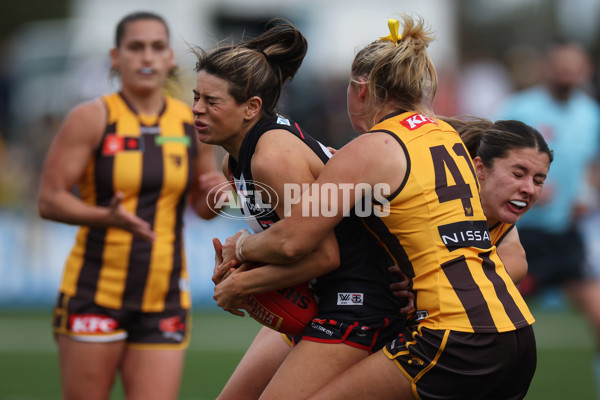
[{"x": 286, "y": 310}]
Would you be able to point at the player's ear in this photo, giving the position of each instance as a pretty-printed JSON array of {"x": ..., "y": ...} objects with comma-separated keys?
[
  {"x": 172, "y": 64},
  {"x": 479, "y": 168},
  {"x": 114, "y": 58},
  {"x": 253, "y": 106},
  {"x": 363, "y": 89}
]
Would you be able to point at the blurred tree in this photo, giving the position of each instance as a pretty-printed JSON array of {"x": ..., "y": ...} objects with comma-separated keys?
[{"x": 14, "y": 13}]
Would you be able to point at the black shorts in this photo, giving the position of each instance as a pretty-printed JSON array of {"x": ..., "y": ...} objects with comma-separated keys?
[
  {"x": 83, "y": 320},
  {"x": 367, "y": 335},
  {"x": 552, "y": 259},
  {"x": 445, "y": 364}
]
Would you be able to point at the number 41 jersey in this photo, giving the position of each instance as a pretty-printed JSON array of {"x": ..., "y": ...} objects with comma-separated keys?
[{"x": 437, "y": 233}]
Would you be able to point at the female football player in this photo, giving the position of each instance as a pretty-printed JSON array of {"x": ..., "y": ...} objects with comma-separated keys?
[
  {"x": 469, "y": 314},
  {"x": 511, "y": 160},
  {"x": 123, "y": 303},
  {"x": 235, "y": 102}
]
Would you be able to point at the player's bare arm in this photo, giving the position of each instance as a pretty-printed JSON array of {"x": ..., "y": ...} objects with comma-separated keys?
[
  {"x": 209, "y": 183},
  {"x": 299, "y": 234},
  {"x": 65, "y": 164},
  {"x": 513, "y": 257},
  {"x": 325, "y": 258}
]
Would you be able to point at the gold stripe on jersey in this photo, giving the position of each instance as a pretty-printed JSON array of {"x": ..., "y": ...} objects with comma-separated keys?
[
  {"x": 148, "y": 159},
  {"x": 459, "y": 280},
  {"x": 74, "y": 263},
  {"x": 175, "y": 179},
  {"x": 126, "y": 177},
  {"x": 499, "y": 231},
  {"x": 184, "y": 295}
]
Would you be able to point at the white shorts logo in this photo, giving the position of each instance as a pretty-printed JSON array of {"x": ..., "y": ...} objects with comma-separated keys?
[
  {"x": 350, "y": 299},
  {"x": 421, "y": 315}
]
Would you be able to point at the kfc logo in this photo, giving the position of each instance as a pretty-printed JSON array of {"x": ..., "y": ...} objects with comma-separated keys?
[
  {"x": 91, "y": 323},
  {"x": 416, "y": 121},
  {"x": 114, "y": 144}
]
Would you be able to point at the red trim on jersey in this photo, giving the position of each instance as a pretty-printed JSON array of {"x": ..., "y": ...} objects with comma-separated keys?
[{"x": 300, "y": 130}]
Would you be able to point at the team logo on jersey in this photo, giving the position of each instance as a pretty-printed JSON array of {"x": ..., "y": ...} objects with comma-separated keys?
[
  {"x": 282, "y": 120},
  {"x": 266, "y": 223},
  {"x": 421, "y": 315},
  {"x": 114, "y": 144},
  {"x": 350, "y": 299},
  {"x": 416, "y": 121},
  {"x": 176, "y": 159}
]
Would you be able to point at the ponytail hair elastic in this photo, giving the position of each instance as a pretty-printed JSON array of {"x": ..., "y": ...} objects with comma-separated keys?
[{"x": 393, "y": 25}]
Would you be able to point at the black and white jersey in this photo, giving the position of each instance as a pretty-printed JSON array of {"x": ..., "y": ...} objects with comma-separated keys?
[
  {"x": 256, "y": 205},
  {"x": 359, "y": 289}
]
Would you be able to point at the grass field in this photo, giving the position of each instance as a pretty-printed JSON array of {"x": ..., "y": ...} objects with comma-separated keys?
[{"x": 29, "y": 363}]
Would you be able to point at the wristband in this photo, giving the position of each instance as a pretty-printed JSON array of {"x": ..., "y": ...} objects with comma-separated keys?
[{"x": 239, "y": 243}]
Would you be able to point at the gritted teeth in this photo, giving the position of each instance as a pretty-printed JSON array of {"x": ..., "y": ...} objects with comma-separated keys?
[{"x": 146, "y": 70}]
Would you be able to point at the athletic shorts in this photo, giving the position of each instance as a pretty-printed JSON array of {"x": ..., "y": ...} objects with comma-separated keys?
[
  {"x": 83, "y": 320},
  {"x": 552, "y": 259},
  {"x": 366, "y": 335},
  {"x": 445, "y": 364}
]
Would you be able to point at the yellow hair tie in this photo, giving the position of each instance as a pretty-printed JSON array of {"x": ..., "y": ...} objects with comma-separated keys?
[{"x": 393, "y": 24}]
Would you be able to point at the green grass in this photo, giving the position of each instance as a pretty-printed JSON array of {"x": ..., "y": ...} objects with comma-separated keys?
[
  {"x": 29, "y": 359},
  {"x": 29, "y": 362}
]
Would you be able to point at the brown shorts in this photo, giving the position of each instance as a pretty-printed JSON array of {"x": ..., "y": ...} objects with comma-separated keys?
[
  {"x": 445, "y": 364},
  {"x": 83, "y": 320}
]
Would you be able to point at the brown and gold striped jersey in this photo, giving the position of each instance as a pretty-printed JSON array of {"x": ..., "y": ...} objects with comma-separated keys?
[
  {"x": 150, "y": 160},
  {"x": 437, "y": 233},
  {"x": 499, "y": 231}
]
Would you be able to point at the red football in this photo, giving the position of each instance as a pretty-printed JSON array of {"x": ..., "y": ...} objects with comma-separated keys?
[{"x": 286, "y": 310}]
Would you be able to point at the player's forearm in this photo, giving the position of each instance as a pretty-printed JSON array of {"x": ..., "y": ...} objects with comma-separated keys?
[
  {"x": 275, "y": 277},
  {"x": 285, "y": 242},
  {"x": 322, "y": 260},
  {"x": 273, "y": 248},
  {"x": 202, "y": 207},
  {"x": 67, "y": 208}
]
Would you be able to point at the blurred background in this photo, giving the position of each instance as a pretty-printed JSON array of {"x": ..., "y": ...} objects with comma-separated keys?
[{"x": 54, "y": 54}]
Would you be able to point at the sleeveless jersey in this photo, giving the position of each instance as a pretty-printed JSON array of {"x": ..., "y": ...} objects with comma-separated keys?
[
  {"x": 499, "y": 231},
  {"x": 150, "y": 160},
  {"x": 437, "y": 233},
  {"x": 359, "y": 288}
]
